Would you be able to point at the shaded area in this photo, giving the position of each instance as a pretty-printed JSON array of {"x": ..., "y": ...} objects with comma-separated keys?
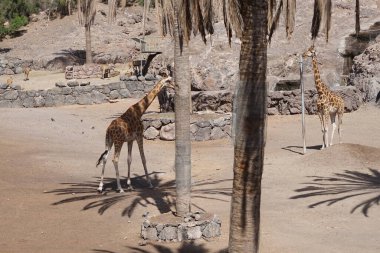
[
  {"x": 5, "y": 50},
  {"x": 67, "y": 57},
  {"x": 161, "y": 196},
  {"x": 299, "y": 149},
  {"x": 343, "y": 186},
  {"x": 186, "y": 247}
]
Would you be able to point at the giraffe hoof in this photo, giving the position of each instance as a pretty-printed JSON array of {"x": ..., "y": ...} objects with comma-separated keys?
[
  {"x": 130, "y": 188},
  {"x": 120, "y": 190}
]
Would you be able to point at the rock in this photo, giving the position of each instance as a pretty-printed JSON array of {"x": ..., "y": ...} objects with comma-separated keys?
[
  {"x": 72, "y": 83},
  {"x": 8, "y": 71},
  {"x": 203, "y": 134},
  {"x": 66, "y": 91},
  {"x": 16, "y": 87},
  {"x": 203, "y": 124},
  {"x": 98, "y": 97},
  {"x": 39, "y": 101},
  {"x": 18, "y": 70},
  {"x": 151, "y": 234},
  {"x": 84, "y": 83},
  {"x": 132, "y": 78},
  {"x": 149, "y": 77},
  {"x": 156, "y": 123},
  {"x": 272, "y": 111},
  {"x": 168, "y": 233},
  {"x": 3, "y": 86},
  {"x": 114, "y": 86},
  {"x": 141, "y": 78},
  {"x": 194, "y": 233},
  {"x": 70, "y": 100},
  {"x": 84, "y": 99},
  {"x": 219, "y": 122},
  {"x": 123, "y": 78},
  {"x": 125, "y": 93},
  {"x": 151, "y": 133},
  {"x": 114, "y": 94},
  {"x": 10, "y": 95},
  {"x": 167, "y": 132},
  {"x": 217, "y": 133},
  {"x": 28, "y": 102},
  {"x": 60, "y": 84},
  {"x": 211, "y": 230}
]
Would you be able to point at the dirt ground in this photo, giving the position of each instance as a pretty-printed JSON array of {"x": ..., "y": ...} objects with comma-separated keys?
[{"x": 324, "y": 201}]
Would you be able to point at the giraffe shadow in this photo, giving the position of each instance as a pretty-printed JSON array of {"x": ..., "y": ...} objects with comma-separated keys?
[
  {"x": 162, "y": 196},
  {"x": 299, "y": 149},
  {"x": 342, "y": 186}
]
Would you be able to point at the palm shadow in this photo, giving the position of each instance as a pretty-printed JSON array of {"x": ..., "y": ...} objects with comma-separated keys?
[
  {"x": 68, "y": 57},
  {"x": 299, "y": 149},
  {"x": 343, "y": 186},
  {"x": 186, "y": 247},
  {"x": 161, "y": 196}
]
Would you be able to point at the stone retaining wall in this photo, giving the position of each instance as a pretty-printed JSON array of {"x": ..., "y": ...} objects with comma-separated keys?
[
  {"x": 202, "y": 128},
  {"x": 278, "y": 102},
  {"x": 88, "y": 71},
  {"x": 191, "y": 227},
  {"x": 72, "y": 92}
]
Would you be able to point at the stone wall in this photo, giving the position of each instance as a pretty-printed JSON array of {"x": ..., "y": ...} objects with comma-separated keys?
[
  {"x": 88, "y": 71},
  {"x": 11, "y": 66},
  {"x": 202, "y": 127},
  {"x": 72, "y": 92},
  {"x": 175, "y": 229},
  {"x": 278, "y": 102}
]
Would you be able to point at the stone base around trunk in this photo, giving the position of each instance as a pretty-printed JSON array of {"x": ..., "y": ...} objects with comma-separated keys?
[{"x": 170, "y": 228}]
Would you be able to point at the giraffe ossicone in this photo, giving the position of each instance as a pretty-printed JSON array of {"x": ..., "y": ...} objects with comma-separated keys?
[
  {"x": 329, "y": 104},
  {"x": 128, "y": 128}
]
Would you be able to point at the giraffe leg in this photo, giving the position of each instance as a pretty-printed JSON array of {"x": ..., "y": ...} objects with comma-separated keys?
[
  {"x": 115, "y": 161},
  {"x": 332, "y": 117},
  {"x": 141, "y": 148},
  {"x": 339, "y": 127},
  {"x": 326, "y": 132},
  {"x": 104, "y": 161},
  {"x": 323, "y": 126},
  {"x": 129, "y": 184}
]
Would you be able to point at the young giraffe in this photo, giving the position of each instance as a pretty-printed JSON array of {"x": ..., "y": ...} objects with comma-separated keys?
[
  {"x": 127, "y": 128},
  {"x": 328, "y": 103}
]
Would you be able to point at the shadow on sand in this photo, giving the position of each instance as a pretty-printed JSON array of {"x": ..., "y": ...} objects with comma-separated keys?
[
  {"x": 186, "y": 247},
  {"x": 343, "y": 186},
  {"x": 299, "y": 149},
  {"x": 161, "y": 196}
]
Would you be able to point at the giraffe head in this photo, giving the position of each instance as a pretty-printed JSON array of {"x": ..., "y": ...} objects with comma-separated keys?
[{"x": 310, "y": 52}]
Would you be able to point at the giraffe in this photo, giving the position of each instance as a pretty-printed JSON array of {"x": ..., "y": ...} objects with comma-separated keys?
[
  {"x": 127, "y": 128},
  {"x": 26, "y": 71},
  {"x": 329, "y": 104}
]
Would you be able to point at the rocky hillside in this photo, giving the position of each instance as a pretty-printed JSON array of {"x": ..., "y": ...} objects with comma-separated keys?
[{"x": 55, "y": 44}]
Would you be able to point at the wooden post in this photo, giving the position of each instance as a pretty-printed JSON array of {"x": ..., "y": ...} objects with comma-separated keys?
[{"x": 302, "y": 105}]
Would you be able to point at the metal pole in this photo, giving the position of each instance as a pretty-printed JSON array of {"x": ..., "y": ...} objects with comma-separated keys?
[{"x": 302, "y": 104}]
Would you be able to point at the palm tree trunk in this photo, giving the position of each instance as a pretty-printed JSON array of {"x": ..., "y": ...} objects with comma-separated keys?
[
  {"x": 182, "y": 121},
  {"x": 88, "y": 44},
  {"x": 250, "y": 129}
]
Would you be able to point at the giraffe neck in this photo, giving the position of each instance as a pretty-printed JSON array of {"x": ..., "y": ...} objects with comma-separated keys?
[
  {"x": 140, "y": 107},
  {"x": 319, "y": 85}
]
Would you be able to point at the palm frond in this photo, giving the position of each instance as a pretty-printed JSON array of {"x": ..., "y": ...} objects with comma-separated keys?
[
  {"x": 273, "y": 24},
  {"x": 290, "y": 15},
  {"x": 357, "y": 17},
  {"x": 86, "y": 11},
  {"x": 322, "y": 15},
  {"x": 232, "y": 18},
  {"x": 112, "y": 7}
]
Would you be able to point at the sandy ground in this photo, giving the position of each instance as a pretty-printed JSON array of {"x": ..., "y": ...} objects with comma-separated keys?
[{"x": 324, "y": 201}]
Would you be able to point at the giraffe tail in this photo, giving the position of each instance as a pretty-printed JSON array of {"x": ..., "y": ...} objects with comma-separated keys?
[{"x": 101, "y": 157}]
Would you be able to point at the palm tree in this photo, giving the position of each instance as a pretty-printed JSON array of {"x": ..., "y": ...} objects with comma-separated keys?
[
  {"x": 180, "y": 18},
  {"x": 86, "y": 15},
  {"x": 252, "y": 21}
]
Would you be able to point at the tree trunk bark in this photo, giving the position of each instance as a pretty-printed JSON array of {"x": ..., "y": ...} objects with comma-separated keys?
[
  {"x": 249, "y": 129},
  {"x": 88, "y": 44},
  {"x": 182, "y": 121}
]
